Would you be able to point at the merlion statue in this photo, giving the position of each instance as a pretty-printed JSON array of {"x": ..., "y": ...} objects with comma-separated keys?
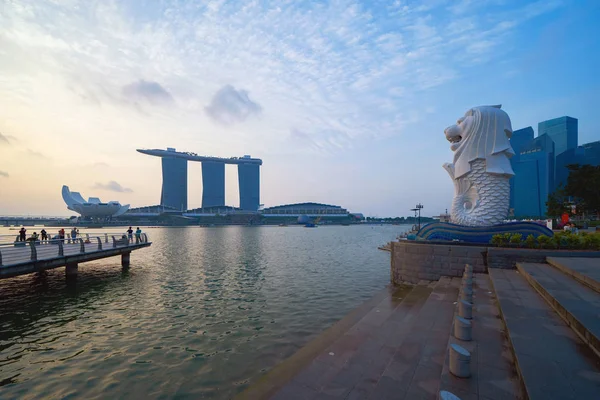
[{"x": 481, "y": 168}]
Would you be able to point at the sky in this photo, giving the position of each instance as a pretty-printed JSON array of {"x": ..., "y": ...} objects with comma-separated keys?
[{"x": 344, "y": 101}]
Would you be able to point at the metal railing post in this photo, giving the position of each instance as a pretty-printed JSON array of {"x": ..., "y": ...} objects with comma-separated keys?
[
  {"x": 61, "y": 248},
  {"x": 106, "y": 238},
  {"x": 99, "y": 243},
  {"x": 81, "y": 246},
  {"x": 114, "y": 242},
  {"x": 33, "y": 251},
  {"x": 0, "y": 258}
]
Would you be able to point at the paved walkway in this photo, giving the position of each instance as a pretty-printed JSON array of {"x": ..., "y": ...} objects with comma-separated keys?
[
  {"x": 551, "y": 359},
  {"x": 492, "y": 367},
  {"x": 396, "y": 351},
  {"x": 584, "y": 270}
]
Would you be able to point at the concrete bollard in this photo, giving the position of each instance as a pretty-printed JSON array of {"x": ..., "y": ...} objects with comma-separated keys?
[
  {"x": 460, "y": 361},
  {"x": 465, "y": 309},
  {"x": 466, "y": 294},
  {"x": 462, "y": 329},
  {"x": 444, "y": 395}
]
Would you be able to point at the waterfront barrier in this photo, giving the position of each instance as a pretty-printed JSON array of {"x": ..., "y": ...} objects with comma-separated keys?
[
  {"x": 460, "y": 361},
  {"x": 20, "y": 258}
]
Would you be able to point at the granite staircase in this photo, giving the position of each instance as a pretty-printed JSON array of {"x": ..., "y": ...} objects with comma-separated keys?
[{"x": 551, "y": 314}]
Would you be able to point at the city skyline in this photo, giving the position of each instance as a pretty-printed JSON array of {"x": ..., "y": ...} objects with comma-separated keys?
[{"x": 345, "y": 102}]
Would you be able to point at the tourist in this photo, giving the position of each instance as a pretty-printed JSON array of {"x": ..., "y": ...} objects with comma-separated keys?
[
  {"x": 33, "y": 237},
  {"x": 73, "y": 234},
  {"x": 44, "y": 235},
  {"x": 22, "y": 234},
  {"x": 61, "y": 235},
  {"x": 130, "y": 234},
  {"x": 138, "y": 235}
]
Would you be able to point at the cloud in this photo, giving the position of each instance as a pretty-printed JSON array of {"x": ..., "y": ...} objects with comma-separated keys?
[
  {"x": 37, "y": 154},
  {"x": 4, "y": 174},
  {"x": 6, "y": 139},
  {"x": 112, "y": 186},
  {"x": 229, "y": 106},
  {"x": 150, "y": 91}
]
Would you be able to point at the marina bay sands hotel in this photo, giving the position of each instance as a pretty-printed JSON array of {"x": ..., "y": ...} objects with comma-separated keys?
[{"x": 174, "y": 179}]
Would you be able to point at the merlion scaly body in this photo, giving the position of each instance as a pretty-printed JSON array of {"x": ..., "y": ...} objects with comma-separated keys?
[{"x": 481, "y": 168}]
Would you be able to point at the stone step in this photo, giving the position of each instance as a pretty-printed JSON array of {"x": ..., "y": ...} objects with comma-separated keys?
[
  {"x": 551, "y": 360},
  {"x": 397, "y": 356},
  {"x": 578, "y": 305},
  {"x": 583, "y": 270},
  {"x": 492, "y": 372},
  {"x": 281, "y": 376},
  {"x": 356, "y": 358}
]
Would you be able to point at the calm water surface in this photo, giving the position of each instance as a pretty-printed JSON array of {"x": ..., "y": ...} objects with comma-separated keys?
[{"x": 200, "y": 314}]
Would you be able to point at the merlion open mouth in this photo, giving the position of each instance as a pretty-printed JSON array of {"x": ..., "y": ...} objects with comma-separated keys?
[{"x": 454, "y": 139}]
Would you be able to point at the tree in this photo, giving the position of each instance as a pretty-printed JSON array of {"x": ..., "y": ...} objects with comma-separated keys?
[
  {"x": 584, "y": 185},
  {"x": 556, "y": 204}
]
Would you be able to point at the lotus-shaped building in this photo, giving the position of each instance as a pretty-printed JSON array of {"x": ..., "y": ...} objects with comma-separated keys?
[{"x": 93, "y": 207}]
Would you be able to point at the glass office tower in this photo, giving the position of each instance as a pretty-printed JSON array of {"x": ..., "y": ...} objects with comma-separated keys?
[{"x": 563, "y": 131}]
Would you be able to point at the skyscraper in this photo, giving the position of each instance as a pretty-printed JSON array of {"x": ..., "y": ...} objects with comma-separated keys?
[
  {"x": 534, "y": 177},
  {"x": 563, "y": 131},
  {"x": 518, "y": 140},
  {"x": 174, "y": 185}
]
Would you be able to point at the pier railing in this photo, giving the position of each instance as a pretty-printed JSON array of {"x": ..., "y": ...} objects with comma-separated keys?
[
  {"x": 18, "y": 252},
  {"x": 14, "y": 237}
]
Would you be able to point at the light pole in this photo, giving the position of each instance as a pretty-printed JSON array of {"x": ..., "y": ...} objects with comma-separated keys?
[{"x": 419, "y": 207}]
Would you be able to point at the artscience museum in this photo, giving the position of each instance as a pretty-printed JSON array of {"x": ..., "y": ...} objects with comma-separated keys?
[{"x": 93, "y": 207}]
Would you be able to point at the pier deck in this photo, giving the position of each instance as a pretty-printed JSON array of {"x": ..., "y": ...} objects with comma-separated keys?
[{"x": 25, "y": 258}]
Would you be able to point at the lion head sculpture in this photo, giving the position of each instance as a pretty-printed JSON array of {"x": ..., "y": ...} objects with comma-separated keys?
[{"x": 482, "y": 133}]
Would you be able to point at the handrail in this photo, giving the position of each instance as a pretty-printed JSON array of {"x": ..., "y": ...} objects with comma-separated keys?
[{"x": 17, "y": 252}]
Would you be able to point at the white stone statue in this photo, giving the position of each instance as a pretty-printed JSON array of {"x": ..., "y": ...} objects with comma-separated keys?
[{"x": 481, "y": 168}]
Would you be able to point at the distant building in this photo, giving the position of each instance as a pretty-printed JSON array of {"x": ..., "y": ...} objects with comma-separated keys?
[
  {"x": 540, "y": 163},
  {"x": 174, "y": 191},
  {"x": 306, "y": 209},
  {"x": 92, "y": 207},
  {"x": 562, "y": 131}
]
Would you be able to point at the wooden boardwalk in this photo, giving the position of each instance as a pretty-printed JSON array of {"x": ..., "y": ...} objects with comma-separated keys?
[{"x": 24, "y": 258}]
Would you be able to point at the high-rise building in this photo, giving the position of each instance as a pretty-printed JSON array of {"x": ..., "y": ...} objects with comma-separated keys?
[
  {"x": 585, "y": 154},
  {"x": 518, "y": 140},
  {"x": 249, "y": 181},
  {"x": 534, "y": 177},
  {"x": 174, "y": 186},
  {"x": 540, "y": 163},
  {"x": 213, "y": 184},
  {"x": 563, "y": 131},
  {"x": 174, "y": 183}
]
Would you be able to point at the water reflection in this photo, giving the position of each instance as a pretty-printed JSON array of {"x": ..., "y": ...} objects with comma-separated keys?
[{"x": 199, "y": 314}]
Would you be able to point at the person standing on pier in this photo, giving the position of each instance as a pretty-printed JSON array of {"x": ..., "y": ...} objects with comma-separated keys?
[
  {"x": 73, "y": 234},
  {"x": 130, "y": 234},
  {"x": 22, "y": 234},
  {"x": 61, "y": 234},
  {"x": 44, "y": 235},
  {"x": 138, "y": 235}
]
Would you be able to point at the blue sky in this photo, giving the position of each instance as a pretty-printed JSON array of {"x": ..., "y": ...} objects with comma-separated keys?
[{"x": 345, "y": 101}]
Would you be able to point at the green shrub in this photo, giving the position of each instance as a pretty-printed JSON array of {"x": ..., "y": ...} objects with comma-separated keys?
[
  {"x": 516, "y": 238},
  {"x": 545, "y": 242},
  {"x": 530, "y": 242},
  {"x": 501, "y": 239}
]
